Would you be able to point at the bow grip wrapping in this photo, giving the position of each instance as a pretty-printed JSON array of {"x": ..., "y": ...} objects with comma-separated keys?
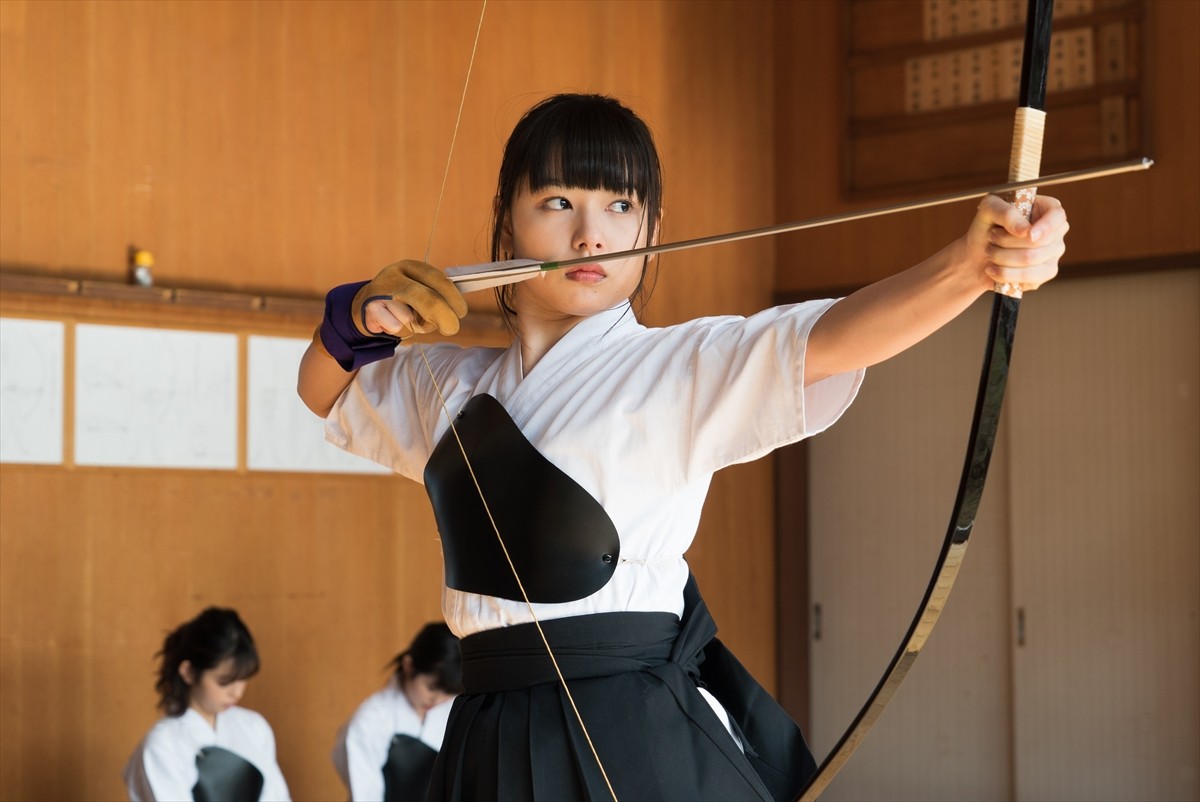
[
  {"x": 1025, "y": 160},
  {"x": 1024, "y": 165}
]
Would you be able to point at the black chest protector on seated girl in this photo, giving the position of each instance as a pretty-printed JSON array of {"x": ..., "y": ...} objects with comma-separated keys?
[
  {"x": 562, "y": 542},
  {"x": 225, "y": 777},
  {"x": 408, "y": 769}
]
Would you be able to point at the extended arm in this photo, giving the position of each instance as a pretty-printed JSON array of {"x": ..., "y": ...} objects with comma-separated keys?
[{"x": 891, "y": 315}]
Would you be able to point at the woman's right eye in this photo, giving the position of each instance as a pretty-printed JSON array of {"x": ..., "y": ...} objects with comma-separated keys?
[{"x": 559, "y": 204}]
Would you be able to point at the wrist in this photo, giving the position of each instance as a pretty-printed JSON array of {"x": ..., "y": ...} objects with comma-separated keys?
[
  {"x": 341, "y": 337},
  {"x": 964, "y": 267}
]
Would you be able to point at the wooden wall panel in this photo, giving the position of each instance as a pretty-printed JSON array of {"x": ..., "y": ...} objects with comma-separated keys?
[
  {"x": 1129, "y": 217},
  {"x": 290, "y": 146},
  {"x": 716, "y": 137},
  {"x": 286, "y": 147}
]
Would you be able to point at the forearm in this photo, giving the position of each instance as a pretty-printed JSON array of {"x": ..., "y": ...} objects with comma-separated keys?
[
  {"x": 891, "y": 315},
  {"x": 881, "y": 320},
  {"x": 322, "y": 380}
]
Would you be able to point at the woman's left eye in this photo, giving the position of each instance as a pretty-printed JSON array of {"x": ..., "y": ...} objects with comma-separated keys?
[{"x": 622, "y": 206}]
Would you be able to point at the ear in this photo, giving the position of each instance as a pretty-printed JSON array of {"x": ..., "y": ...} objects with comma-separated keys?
[
  {"x": 658, "y": 225},
  {"x": 506, "y": 232},
  {"x": 406, "y": 665},
  {"x": 188, "y": 672},
  {"x": 655, "y": 239}
]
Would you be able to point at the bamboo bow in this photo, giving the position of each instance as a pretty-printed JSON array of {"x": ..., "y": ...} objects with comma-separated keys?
[{"x": 1025, "y": 161}]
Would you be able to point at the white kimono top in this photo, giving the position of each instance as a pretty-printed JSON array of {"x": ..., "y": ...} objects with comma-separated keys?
[
  {"x": 639, "y": 417},
  {"x": 361, "y": 749},
  {"x": 163, "y": 767}
]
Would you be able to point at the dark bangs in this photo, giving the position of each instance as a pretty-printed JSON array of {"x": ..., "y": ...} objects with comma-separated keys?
[
  {"x": 591, "y": 145},
  {"x": 245, "y": 660},
  {"x": 584, "y": 141}
]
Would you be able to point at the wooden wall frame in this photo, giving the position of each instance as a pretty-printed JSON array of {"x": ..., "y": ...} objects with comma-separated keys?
[{"x": 936, "y": 80}]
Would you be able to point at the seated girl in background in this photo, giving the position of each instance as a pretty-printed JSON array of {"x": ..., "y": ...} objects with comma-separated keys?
[
  {"x": 206, "y": 748},
  {"x": 387, "y": 748}
]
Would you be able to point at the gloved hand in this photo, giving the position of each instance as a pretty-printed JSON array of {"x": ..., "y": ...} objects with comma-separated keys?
[
  {"x": 363, "y": 321},
  {"x": 411, "y": 295}
]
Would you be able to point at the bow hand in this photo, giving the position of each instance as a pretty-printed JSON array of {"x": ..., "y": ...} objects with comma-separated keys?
[{"x": 1015, "y": 252}]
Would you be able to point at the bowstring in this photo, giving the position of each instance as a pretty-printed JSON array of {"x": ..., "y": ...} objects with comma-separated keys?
[{"x": 462, "y": 448}]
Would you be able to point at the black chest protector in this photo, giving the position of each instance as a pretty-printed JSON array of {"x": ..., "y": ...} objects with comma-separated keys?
[
  {"x": 408, "y": 769},
  {"x": 225, "y": 777},
  {"x": 562, "y": 542}
]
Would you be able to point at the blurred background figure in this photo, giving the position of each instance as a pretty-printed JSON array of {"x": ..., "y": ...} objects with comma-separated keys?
[
  {"x": 387, "y": 748},
  {"x": 206, "y": 748}
]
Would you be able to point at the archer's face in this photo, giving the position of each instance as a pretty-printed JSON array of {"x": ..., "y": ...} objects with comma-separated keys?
[{"x": 559, "y": 223}]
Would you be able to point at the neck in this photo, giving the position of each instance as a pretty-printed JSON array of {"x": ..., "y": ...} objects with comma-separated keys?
[
  {"x": 402, "y": 683},
  {"x": 211, "y": 718},
  {"x": 538, "y": 335}
]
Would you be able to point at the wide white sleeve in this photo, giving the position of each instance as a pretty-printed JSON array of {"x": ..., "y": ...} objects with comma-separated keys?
[
  {"x": 338, "y": 755},
  {"x": 390, "y": 411},
  {"x": 136, "y": 784},
  {"x": 274, "y": 786},
  {"x": 162, "y": 769},
  {"x": 747, "y": 393},
  {"x": 368, "y": 737}
]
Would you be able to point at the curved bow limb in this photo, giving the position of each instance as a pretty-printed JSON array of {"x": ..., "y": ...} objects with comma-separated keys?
[{"x": 1026, "y": 157}]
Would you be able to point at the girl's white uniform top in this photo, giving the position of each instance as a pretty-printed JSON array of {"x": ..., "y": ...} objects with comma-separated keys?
[
  {"x": 361, "y": 749},
  {"x": 163, "y": 767},
  {"x": 640, "y": 417}
]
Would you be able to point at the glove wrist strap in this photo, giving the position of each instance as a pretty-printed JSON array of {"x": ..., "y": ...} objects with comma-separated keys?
[{"x": 345, "y": 343}]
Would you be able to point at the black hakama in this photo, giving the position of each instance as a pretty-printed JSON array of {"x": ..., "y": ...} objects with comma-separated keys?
[{"x": 512, "y": 734}]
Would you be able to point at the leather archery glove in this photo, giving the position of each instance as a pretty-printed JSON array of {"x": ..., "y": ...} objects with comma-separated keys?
[{"x": 432, "y": 299}]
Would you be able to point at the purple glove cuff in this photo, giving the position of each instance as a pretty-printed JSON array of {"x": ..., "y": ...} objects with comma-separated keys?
[{"x": 345, "y": 343}]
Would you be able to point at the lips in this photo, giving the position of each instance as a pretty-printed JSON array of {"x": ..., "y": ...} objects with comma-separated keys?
[{"x": 587, "y": 273}]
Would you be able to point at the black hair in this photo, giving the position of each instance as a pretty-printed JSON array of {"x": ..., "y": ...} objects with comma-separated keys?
[
  {"x": 433, "y": 651},
  {"x": 212, "y": 637},
  {"x": 584, "y": 141}
]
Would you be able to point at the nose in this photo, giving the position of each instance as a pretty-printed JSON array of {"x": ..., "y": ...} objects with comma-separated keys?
[
  {"x": 589, "y": 233},
  {"x": 237, "y": 689}
]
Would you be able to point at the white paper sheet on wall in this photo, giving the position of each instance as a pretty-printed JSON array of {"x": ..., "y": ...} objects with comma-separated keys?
[
  {"x": 31, "y": 391},
  {"x": 281, "y": 433},
  {"x": 155, "y": 397}
]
